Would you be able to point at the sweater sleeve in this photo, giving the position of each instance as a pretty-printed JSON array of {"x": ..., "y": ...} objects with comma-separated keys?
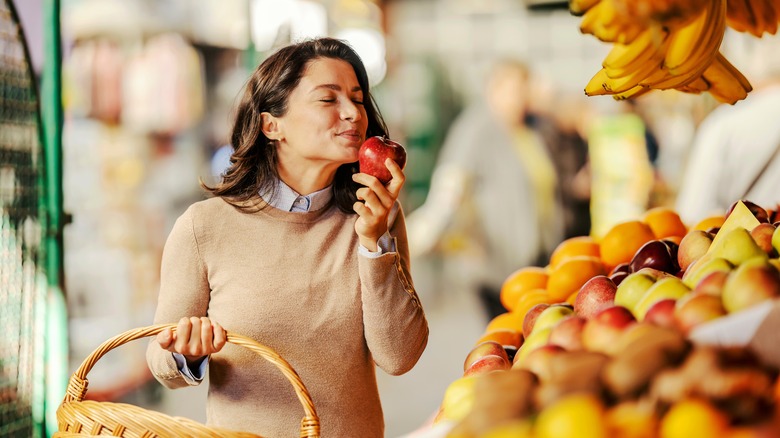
[
  {"x": 184, "y": 292},
  {"x": 396, "y": 329}
]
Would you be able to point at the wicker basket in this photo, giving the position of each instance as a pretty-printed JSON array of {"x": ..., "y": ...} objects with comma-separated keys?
[{"x": 77, "y": 417}]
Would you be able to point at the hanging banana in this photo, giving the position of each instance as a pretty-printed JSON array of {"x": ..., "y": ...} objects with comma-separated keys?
[{"x": 671, "y": 44}]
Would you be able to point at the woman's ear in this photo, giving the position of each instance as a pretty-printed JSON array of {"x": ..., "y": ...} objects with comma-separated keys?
[{"x": 270, "y": 126}]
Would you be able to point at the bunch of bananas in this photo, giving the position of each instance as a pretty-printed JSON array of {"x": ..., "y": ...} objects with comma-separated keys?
[
  {"x": 753, "y": 16},
  {"x": 671, "y": 44}
]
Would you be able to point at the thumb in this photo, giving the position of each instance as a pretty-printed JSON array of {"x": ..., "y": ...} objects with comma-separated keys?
[{"x": 165, "y": 338}]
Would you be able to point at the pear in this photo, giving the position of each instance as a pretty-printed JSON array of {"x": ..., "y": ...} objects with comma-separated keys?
[
  {"x": 665, "y": 288},
  {"x": 704, "y": 267},
  {"x": 736, "y": 246}
]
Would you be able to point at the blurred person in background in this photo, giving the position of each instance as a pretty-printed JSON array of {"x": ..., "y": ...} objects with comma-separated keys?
[
  {"x": 736, "y": 150},
  {"x": 298, "y": 251},
  {"x": 493, "y": 192},
  {"x": 562, "y": 123}
]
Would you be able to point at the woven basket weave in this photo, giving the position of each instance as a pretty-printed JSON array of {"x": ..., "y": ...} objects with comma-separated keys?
[{"x": 77, "y": 417}]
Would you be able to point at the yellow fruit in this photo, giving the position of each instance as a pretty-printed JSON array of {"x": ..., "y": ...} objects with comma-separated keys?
[
  {"x": 622, "y": 241},
  {"x": 578, "y": 415},
  {"x": 529, "y": 299},
  {"x": 571, "y": 274},
  {"x": 458, "y": 399},
  {"x": 664, "y": 222},
  {"x": 572, "y": 247},
  {"x": 693, "y": 418},
  {"x": 521, "y": 281}
]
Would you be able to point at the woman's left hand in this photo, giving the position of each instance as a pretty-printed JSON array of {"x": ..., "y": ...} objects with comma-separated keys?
[{"x": 378, "y": 200}]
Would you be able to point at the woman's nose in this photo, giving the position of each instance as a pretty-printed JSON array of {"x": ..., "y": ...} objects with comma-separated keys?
[{"x": 350, "y": 111}]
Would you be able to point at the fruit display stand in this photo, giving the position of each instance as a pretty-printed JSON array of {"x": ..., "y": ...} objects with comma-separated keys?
[{"x": 656, "y": 329}]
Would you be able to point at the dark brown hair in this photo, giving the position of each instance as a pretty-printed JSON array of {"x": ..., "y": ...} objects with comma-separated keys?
[{"x": 253, "y": 164}]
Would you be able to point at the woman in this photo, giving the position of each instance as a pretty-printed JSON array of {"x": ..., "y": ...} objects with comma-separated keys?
[{"x": 297, "y": 251}]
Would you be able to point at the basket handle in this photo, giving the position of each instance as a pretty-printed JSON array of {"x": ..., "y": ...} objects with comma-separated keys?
[{"x": 77, "y": 386}]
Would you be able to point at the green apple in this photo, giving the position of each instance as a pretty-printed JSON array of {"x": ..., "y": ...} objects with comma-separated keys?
[
  {"x": 551, "y": 316},
  {"x": 538, "y": 338},
  {"x": 632, "y": 289},
  {"x": 665, "y": 288},
  {"x": 754, "y": 281}
]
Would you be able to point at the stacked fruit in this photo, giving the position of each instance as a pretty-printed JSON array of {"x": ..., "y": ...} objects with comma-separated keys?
[
  {"x": 671, "y": 44},
  {"x": 598, "y": 339}
]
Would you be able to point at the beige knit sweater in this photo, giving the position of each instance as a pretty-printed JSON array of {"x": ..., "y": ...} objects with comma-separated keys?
[{"x": 293, "y": 282}]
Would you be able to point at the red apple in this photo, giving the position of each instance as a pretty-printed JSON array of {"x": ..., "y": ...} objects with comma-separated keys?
[
  {"x": 662, "y": 313},
  {"x": 487, "y": 364},
  {"x": 694, "y": 245},
  {"x": 711, "y": 284},
  {"x": 373, "y": 153},
  {"x": 487, "y": 348},
  {"x": 530, "y": 318},
  {"x": 594, "y": 295},
  {"x": 603, "y": 330},
  {"x": 762, "y": 234},
  {"x": 568, "y": 333},
  {"x": 698, "y": 309}
]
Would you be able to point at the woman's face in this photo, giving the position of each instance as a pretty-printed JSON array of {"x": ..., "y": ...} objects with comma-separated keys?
[{"x": 325, "y": 121}]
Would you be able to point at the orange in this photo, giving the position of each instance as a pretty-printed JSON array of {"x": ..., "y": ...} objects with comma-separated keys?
[
  {"x": 664, "y": 222},
  {"x": 505, "y": 337},
  {"x": 508, "y": 320},
  {"x": 710, "y": 222},
  {"x": 573, "y": 297},
  {"x": 569, "y": 277},
  {"x": 622, "y": 241},
  {"x": 693, "y": 417},
  {"x": 574, "y": 246},
  {"x": 523, "y": 279},
  {"x": 530, "y": 299}
]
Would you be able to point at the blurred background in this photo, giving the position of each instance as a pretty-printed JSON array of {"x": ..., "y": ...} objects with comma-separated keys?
[{"x": 147, "y": 89}]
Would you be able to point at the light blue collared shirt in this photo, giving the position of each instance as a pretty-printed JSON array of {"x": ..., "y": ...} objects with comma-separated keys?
[{"x": 287, "y": 199}]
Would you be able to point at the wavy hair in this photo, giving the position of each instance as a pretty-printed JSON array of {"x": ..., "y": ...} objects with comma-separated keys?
[{"x": 253, "y": 164}]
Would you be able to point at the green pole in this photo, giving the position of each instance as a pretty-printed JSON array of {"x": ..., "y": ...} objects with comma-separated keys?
[{"x": 56, "y": 353}]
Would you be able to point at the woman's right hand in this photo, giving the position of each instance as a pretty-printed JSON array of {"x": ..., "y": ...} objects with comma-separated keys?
[{"x": 194, "y": 338}]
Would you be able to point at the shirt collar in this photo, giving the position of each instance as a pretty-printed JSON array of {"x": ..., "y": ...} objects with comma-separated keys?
[{"x": 287, "y": 199}]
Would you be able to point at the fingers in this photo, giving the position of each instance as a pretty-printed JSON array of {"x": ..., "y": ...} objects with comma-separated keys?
[
  {"x": 395, "y": 184},
  {"x": 373, "y": 200},
  {"x": 183, "y": 334},
  {"x": 194, "y": 337},
  {"x": 220, "y": 336}
]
